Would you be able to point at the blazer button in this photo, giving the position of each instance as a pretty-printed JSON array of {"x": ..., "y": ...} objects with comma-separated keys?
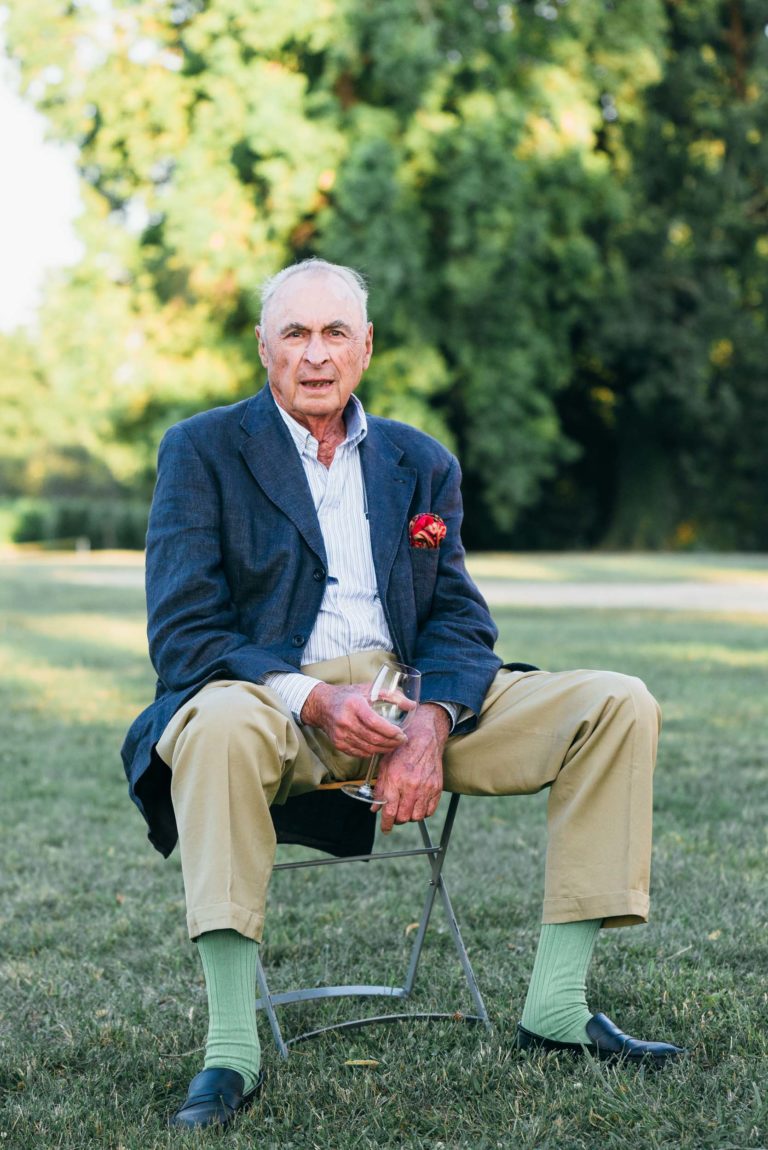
[
  {"x": 298, "y": 640},
  {"x": 318, "y": 574}
]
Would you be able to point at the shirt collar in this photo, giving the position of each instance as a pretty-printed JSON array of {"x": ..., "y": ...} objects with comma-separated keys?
[{"x": 354, "y": 418}]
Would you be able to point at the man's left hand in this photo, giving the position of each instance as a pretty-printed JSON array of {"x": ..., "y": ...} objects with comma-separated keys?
[{"x": 410, "y": 779}]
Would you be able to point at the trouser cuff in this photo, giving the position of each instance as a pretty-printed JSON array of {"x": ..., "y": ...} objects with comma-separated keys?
[
  {"x": 225, "y": 916},
  {"x": 616, "y": 908}
]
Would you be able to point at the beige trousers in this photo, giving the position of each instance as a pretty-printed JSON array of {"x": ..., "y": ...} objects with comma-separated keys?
[{"x": 590, "y": 736}]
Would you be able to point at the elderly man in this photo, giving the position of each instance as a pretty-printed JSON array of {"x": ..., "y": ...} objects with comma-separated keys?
[{"x": 281, "y": 571}]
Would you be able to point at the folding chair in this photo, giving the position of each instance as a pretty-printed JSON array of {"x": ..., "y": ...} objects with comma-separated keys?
[{"x": 435, "y": 854}]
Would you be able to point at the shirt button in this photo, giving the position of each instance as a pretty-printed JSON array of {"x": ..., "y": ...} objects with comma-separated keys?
[
  {"x": 298, "y": 640},
  {"x": 318, "y": 574}
]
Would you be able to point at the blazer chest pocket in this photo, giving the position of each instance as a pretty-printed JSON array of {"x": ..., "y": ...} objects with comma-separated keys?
[{"x": 424, "y": 561}]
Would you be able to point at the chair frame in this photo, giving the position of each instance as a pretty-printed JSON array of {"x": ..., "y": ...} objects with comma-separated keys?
[{"x": 435, "y": 854}]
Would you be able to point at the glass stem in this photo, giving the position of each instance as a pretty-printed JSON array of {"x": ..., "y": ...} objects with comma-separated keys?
[{"x": 368, "y": 781}]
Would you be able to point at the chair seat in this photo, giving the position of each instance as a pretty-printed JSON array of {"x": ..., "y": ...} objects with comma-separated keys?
[{"x": 325, "y": 820}]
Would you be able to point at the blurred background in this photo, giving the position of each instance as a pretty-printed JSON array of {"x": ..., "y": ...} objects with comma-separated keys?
[{"x": 561, "y": 208}]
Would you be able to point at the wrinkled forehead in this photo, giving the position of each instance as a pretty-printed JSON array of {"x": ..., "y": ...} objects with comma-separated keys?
[{"x": 312, "y": 299}]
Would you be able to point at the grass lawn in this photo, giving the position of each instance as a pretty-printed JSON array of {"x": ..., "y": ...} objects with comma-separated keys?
[
  {"x": 576, "y": 567},
  {"x": 102, "y": 1005}
]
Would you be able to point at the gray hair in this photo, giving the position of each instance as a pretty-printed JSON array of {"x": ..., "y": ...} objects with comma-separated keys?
[{"x": 352, "y": 278}]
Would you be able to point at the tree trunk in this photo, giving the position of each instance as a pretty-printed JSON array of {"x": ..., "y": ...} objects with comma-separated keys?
[{"x": 646, "y": 508}]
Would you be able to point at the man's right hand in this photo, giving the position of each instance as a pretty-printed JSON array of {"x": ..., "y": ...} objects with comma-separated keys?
[{"x": 346, "y": 716}]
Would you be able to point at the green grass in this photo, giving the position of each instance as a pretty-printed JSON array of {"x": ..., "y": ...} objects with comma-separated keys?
[
  {"x": 655, "y": 567},
  {"x": 102, "y": 1006}
]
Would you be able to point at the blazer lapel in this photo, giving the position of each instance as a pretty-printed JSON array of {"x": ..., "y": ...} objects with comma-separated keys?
[
  {"x": 276, "y": 466},
  {"x": 388, "y": 489}
]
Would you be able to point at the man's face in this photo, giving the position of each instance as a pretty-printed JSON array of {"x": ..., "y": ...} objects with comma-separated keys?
[{"x": 315, "y": 346}]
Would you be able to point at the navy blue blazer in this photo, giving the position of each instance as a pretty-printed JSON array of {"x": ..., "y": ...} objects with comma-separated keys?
[{"x": 236, "y": 570}]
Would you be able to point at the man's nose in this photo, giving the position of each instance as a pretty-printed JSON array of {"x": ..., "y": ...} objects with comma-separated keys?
[{"x": 315, "y": 350}]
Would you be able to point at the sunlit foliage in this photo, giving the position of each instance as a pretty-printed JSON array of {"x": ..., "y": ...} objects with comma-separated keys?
[{"x": 560, "y": 206}]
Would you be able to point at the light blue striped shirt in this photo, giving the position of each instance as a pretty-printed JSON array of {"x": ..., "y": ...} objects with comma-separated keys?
[{"x": 351, "y": 617}]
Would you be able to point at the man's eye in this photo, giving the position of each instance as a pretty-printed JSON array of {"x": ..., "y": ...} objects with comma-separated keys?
[{"x": 336, "y": 331}]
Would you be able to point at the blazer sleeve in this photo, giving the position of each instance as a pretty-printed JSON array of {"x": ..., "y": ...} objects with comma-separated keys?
[{"x": 192, "y": 620}]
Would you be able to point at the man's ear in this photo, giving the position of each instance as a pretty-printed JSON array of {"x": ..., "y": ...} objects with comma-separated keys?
[
  {"x": 368, "y": 346},
  {"x": 262, "y": 345}
]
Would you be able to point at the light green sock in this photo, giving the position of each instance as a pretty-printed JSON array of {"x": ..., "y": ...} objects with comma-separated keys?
[
  {"x": 556, "y": 1003},
  {"x": 229, "y": 965}
]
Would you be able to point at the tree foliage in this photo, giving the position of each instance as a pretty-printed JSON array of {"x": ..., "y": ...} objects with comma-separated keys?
[{"x": 560, "y": 208}]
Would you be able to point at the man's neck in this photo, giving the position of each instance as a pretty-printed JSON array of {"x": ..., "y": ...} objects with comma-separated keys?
[
  {"x": 329, "y": 431},
  {"x": 328, "y": 439}
]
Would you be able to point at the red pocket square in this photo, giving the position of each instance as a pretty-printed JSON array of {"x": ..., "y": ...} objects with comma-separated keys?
[{"x": 426, "y": 530}]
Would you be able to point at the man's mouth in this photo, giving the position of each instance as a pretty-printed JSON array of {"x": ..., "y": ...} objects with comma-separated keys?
[{"x": 316, "y": 384}]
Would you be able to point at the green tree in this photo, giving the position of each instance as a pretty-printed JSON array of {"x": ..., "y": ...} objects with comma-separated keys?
[
  {"x": 678, "y": 361},
  {"x": 560, "y": 208}
]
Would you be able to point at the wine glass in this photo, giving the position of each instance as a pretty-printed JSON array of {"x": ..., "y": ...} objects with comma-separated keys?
[{"x": 394, "y": 696}]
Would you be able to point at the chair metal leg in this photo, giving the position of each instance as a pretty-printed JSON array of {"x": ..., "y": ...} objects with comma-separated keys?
[
  {"x": 435, "y": 854},
  {"x": 265, "y": 1003},
  {"x": 438, "y": 884},
  {"x": 436, "y": 861}
]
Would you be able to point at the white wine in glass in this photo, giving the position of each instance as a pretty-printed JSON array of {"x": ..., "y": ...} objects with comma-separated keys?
[{"x": 394, "y": 696}]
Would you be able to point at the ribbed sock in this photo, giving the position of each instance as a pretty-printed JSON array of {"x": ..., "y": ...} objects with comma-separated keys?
[
  {"x": 229, "y": 965},
  {"x": 556, "y": 1003}
]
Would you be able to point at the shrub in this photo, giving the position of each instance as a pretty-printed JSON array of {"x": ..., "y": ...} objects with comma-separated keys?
[{"x": 92, "y": 523}]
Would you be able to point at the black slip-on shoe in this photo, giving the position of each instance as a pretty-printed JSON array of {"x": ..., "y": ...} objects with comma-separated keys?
[
  {"x": 214, "y": 1098},
  {"x": 608, "y": 1044}
]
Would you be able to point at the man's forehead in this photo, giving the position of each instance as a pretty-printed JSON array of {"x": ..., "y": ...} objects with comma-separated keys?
[{"x": 309, "y": 295}]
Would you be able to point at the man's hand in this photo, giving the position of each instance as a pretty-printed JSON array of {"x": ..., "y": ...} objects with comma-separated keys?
[
  {"x": 411, "y": 777},
  {"x": 346, "y": 716}
]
